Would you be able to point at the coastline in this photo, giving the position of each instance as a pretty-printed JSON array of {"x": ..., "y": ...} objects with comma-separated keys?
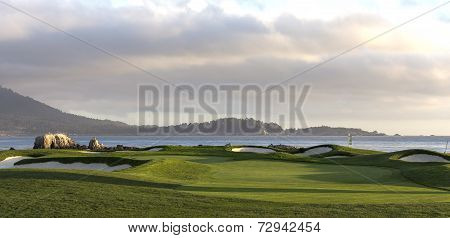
[{"x": 381, "y": 143}]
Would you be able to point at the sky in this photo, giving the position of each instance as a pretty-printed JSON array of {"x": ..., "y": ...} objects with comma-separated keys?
[{"x": 397, "y": 83}]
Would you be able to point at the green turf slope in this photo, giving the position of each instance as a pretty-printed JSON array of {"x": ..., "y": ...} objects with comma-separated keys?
[{"x": 214, "y": 182}]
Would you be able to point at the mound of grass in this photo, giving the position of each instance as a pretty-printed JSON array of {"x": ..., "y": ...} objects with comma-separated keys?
[
  {"x": 338, "y": 150},
  {"x": 173, "y": 170},
  {"x": 194, "y": 150},
  {"x": 153, "y": 147},
  {"x": 27, "y": 153},
  {"x": 400, "y": 154},
  {"x": 354, "y": 151},
  {"x": 433, "y": 176},
  {"x": 284, "y": 148}
]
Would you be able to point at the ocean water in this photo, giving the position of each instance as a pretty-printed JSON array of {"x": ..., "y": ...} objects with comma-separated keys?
[{"x": 382, "y": 143}]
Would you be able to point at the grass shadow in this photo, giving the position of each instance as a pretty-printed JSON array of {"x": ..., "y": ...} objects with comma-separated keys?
[
  {"x": 85, "y": 177},
  {"x": 110, "y": 161}
]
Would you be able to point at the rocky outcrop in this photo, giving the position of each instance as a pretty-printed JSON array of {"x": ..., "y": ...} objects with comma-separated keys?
[
  {"x": 119, "y": 147},
  {"x": 94, "y": 144},
  {"x": 54, "y": 141}
]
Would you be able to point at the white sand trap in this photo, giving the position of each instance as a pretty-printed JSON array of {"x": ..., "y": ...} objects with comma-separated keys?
[
  {"x": 424, "y": 158},
  {"x": 155, "y": 149},
  {"x": 89, "y": 152},
  {"x": 317, "y": 151},
  {"x": 8, "y": 163},
  {"x": 253, "y": 150}
]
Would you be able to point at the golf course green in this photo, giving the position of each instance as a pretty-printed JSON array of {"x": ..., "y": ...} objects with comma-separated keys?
[{"x": 225, "y": 181}]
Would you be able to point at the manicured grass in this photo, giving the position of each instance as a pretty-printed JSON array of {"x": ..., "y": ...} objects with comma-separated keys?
[
  {"x": 433, "y": 176},
  {"x": 281, "y": 181},
  {"x": 174, "y": 170},
  {"x": 71, "y": 195},
  {"x": 212, "y": 181}
]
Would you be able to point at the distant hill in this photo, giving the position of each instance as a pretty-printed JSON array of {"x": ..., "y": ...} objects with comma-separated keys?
[
  {"x": 224, "y": 126},
  {"x": 332, "y": 131},
  {"x": 236, "y": 127},
  {"x": 20, "y": 115}
]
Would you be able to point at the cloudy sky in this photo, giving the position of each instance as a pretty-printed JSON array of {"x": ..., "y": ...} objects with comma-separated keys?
[{"x": 398, "y": 83}]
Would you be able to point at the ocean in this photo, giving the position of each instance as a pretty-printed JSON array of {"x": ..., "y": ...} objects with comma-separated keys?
[{"x": 381, "y": 143}]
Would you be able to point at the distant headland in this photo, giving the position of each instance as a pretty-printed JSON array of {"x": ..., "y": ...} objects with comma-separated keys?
[{"x": 20, "y": 115}]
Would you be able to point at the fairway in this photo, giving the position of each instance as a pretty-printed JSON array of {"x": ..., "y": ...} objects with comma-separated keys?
[
  {"x": 215, "y": 182},
  {"x": 288, "y": 181}
]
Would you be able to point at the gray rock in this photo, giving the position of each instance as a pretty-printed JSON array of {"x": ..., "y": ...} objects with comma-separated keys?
[
  {"x": 94, "y": 144},
  {"x": 53, "y": 141}
]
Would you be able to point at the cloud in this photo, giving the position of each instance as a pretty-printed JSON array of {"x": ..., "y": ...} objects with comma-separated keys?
[
  {"x": 209, "y": 32},
  {"x": 316, "y": 35},
  {"x": 398, "y": 77}
]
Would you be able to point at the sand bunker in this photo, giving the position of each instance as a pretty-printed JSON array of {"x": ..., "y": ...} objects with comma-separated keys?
[
  {"x": 317, "y": 151},
  {"x": 8, "y": 163},
  {"x": 424, "y": 158},
  {"x": 155, "y": 149},
  {"x": 253, "y": 150},
  {"x": 89, "y": 152}
]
